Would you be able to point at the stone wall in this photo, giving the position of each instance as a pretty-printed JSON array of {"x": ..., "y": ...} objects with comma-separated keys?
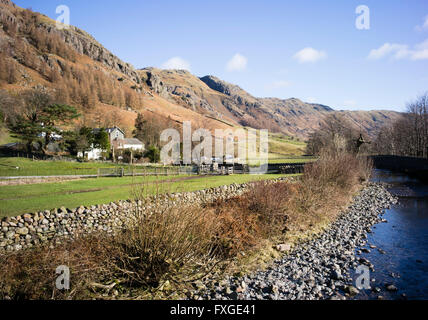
[{"x": 28, "y": 230}]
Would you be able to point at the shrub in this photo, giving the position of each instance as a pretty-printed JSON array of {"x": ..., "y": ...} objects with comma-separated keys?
[
  {"x": 338, "y": 170},
  {"x": 258, "y": 214},
  {"x": 160, "y": 246},
  {"x": 153, "y": 154},
  {"x": 31, "y": 274}
]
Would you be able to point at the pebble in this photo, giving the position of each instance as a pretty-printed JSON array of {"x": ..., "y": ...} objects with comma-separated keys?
[{"x": 391, "y": 287}]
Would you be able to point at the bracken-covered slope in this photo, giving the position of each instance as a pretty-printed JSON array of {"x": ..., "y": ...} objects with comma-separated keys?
[{"x": 80, "y": 71}]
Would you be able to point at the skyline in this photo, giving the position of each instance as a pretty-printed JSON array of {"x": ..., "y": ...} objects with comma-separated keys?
[{"x": 278, "y": 50}]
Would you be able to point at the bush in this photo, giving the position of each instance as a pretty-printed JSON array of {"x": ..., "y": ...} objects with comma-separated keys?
[
  {"x": 165, "y": 244},
  {"x": 31, "y": 274},
  {"x": 338, "y": 170},
  {"x": 153, "y": 154}
]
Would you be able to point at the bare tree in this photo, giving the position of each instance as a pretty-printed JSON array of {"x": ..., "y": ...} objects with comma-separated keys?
[
  {"x": 408, "y": 136},
  {"x": 336, "y": 133}
]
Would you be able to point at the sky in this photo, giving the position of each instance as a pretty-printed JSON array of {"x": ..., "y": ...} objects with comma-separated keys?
[{"x": 324, "y": 52}]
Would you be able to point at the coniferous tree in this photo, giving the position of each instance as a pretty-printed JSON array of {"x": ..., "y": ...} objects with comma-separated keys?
[{"x": 102, "y": 140}]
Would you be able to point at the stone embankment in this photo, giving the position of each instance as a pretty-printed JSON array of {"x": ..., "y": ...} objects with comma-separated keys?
[
  {"x": 29, "y": 230},
  {"x": 319, "y": 268}
]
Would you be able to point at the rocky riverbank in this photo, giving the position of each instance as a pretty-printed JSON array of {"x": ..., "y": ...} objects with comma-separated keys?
[{"x": 319, "y": 268}]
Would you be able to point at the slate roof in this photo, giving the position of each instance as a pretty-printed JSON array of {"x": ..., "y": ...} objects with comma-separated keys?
[{"x": 132, "y": 141}]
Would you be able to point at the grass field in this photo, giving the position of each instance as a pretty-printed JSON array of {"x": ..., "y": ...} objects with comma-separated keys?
[
  {"x": 292, "y": 160},
  {"x": 5, "y": 136},
  {"x": 283, "y": 146},
  {"x": 28, "y": 167},
  {"x": 15, "y": 200},
  {"x": 19, "y": 199}
]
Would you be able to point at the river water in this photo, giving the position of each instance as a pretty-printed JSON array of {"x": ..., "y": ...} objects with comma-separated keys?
[{"x": 401, "y": 254}]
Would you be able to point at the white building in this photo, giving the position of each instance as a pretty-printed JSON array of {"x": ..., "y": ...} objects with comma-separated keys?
[
  {"x": 115, "y": 133},
  {"x": 93, "y": 154},
  {"x": 118, "y": 142}
]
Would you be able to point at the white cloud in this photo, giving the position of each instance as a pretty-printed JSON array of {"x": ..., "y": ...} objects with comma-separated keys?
[
  {"x": 422, "y": 45},
  {"x": 421, "y": 52},
  {"x": 420, "y": 55},
  {"x": 176, "y": 63},
  {"x": 424, "y": 26},
  {"x": 400, "y": 51},
  {"x": 311, "y": 100},
  {"x": 237, "y": 63},
  {"x": 310, "y": 55}
]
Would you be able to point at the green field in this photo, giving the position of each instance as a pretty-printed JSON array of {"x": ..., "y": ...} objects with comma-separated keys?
[
  {"x": 5, "y": 136},
  {"x": 28, "y": 167},
  {"x": 15, "y": 200},
  {"x": 291, "y": 160},
  {"x": 283, "y": 146}
]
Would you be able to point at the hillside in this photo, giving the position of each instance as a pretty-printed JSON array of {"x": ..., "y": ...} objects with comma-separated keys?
[
  {"x": 210, "y": 95},
  {"x": 78, "y": 70}
]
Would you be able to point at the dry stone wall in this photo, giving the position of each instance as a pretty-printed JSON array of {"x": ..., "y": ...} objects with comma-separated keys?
[{"x": 29, "y": 230}]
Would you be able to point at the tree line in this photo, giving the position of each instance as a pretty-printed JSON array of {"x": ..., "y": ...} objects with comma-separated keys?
[
  {"x": 337, "y": 135},
  {"x": 408, "y": 136}
]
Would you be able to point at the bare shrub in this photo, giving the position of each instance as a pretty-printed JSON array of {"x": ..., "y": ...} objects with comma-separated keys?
[
  {"x": 339, "y": 170},
  {"x": 238, "y": 230},
  {"x": 30, "y": 274},
  {"x": 164, "y": 244},
  {"x": 258, "y": 214},
  {"x": 326, "y": 186}
]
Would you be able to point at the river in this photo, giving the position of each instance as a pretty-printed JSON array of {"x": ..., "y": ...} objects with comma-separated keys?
[{"x": 401, "y": 254}]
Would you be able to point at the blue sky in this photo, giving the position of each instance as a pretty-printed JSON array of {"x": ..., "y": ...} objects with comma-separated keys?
[{"x": 308, "y": 49}]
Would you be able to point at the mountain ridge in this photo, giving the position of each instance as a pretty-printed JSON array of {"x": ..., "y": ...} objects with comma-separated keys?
[{"x": 291, "y": 116}]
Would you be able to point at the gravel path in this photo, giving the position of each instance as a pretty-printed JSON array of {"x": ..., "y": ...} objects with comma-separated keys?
[{"x": 319, "y": 268}]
